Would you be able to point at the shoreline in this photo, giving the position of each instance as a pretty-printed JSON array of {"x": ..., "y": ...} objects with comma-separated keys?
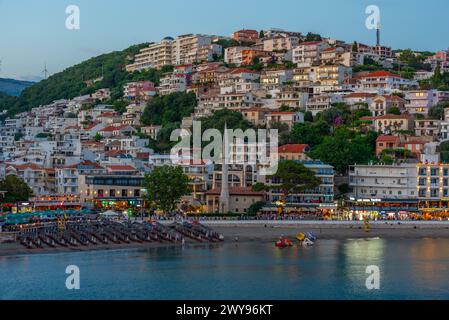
[{"x": 269, "y": 232}]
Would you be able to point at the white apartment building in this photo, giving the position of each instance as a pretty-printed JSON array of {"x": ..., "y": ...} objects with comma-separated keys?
[
  {"x": 280, "y": 43},
  {"x": 420, "y": 101},
  {"x": 433, "y": 180},
  {"x": 384, "y": 181},
  {"x": 322, "y": 102},
  {"x": 380, "y": 82},
  {"x": 234, "y": 55},
  {"x": 173, "y": 82},
  {"x": 185, "y": 49},
  {"x": 67, "y": 176},
  {"x": 331, "y": 77},
  {"x": 308, "y": 53},
  {"x": 272, "y": 80}
]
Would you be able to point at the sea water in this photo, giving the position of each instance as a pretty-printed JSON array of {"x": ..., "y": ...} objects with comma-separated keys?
[{"x": 332, "y": 269}]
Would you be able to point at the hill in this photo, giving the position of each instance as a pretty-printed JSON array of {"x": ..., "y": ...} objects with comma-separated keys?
[
  {"x": 13, "y": 87},
  {"x": 104, "y": 71}
]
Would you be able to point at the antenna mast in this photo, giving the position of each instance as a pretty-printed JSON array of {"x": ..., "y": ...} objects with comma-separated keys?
[{"x": 45, "y": 71}]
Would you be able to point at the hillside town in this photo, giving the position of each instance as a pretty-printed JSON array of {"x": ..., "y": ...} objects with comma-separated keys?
[{"x": 388, "y": 107}]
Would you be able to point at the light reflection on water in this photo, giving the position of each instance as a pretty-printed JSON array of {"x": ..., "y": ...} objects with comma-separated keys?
[{"x": 410, "y": 269}]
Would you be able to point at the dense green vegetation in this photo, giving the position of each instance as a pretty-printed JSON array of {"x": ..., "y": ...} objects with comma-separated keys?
[
  {"x": 291, "y": 177},
  {"x": 232, "y": 119},
  {"x": 169, "y": 109},
  {"x": 345, "y": 147},
  {"x": 104, "y": 71},
  {"x": 16, "y": 189},
  {"x": 165, "y": 186}
]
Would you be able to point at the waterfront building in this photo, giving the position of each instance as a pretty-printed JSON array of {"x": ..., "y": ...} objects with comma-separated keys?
[
  {"x": 384, "y": 181},
  {"x": 320, "y": 198},
  {"x": 110, "y": 191}
]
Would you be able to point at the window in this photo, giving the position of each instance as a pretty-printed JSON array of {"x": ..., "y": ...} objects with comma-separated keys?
[{"x": 112, "y": 193}]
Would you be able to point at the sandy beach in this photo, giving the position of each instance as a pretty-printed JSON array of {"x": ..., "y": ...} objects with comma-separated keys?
[{"x": 270, "y": 231}]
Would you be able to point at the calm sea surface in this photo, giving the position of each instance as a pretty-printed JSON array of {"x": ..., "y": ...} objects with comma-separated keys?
[{"x": 409, "y": 269}]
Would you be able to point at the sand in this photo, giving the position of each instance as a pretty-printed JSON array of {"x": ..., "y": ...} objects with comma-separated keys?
[
  {"x": 324, "y": 230},
  {"x": 270, "y": 231}
]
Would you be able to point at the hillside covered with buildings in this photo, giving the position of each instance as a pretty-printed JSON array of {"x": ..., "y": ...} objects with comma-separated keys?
[{"x": 370, "y": 121}]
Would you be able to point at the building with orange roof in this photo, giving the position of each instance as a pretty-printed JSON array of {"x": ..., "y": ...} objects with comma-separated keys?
[
  {"x": 385, "y": 142},
  {"x": 246, "y": 36},
  {"x": 296, "y": 152},
  {"x": 380, "y": 82}
]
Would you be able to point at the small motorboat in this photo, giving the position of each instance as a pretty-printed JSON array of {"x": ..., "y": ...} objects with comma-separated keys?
[
  {"x": 311, "y": 236},
  {"x": 284, "y": 242},
  {"x": 307, "y": 242}
]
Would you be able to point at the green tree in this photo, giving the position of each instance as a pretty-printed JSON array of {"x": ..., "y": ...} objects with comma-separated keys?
[
  {"x": 291, "y": 177},
  {"x": 345, "y": 148},
  {"x": 232, "y": 119},
  {"x": 98, "y": 137},
  {"x": 256, "y": 207},
  {"x": 312, "y": 37},
  {"x": 261, "y": 34},
  {"x": 309, "y": 133},
  {"x": 437, "y": 112},
  {"x": 16, "y": 189},
  {"x": 394, "y": 110},
  {"x": 162, "y": 110},
  {"x": 308, "y": 116},
  {"x": 165, "y": 186}
]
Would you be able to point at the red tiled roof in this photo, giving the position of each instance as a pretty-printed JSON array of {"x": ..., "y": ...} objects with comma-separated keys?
[
  {"x": 293, "y": 148},
  {"x": 114, "y": 128},
  {"x": 384, "y": 138},
  {"x": 92, "y": 143},
  {"x": 309, "y": 43},
  {"x": 393, "y": 116},
  {"x": 31, "y": 166},
  {"x": 113, "y": 153},
  {"x": 241, "y": 70},
  {"x": 107, "y": 115},
  {"x": 84, "y": 163},
  {"x": 381, "y": 73},
  {"x": 367, "y": 118},
  {"x": 247, "y": 31},
  {"x": 142, "y": 155}
]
